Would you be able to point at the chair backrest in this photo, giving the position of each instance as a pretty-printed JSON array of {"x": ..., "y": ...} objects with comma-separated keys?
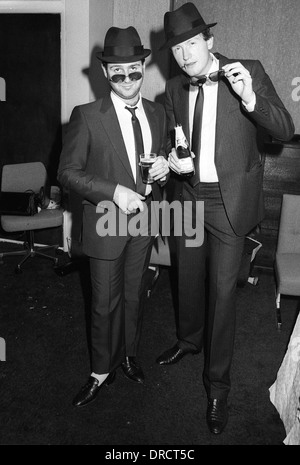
[
  {"x": 21, "y": 177},
  {"x": 289, "y": 227}
]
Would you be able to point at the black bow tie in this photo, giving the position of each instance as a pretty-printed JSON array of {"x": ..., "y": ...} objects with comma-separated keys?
[
  {"x": 197, "y": 83},
  {"x": 215, "y": 76}
]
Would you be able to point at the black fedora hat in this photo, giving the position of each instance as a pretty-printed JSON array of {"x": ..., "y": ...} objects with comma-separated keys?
[
  {"x": 182, "y": 24},
  {"x": 122, "y": 46}
]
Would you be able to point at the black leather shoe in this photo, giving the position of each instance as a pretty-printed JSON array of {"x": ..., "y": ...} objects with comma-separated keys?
[
  {"x": 89, "y": 391},
  {"x": 217, "y": 415},
  {"x": 174, "y": 354},
  {"x": 132, "y": 370}
]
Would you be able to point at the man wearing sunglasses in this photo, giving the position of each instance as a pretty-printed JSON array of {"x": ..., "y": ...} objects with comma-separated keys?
[
  {"x": 99, "y": 161},
  {"x": 223, "y": 105}
]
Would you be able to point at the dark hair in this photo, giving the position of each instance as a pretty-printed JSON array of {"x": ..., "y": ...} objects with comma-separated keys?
[{"x": 207, "y": 34}]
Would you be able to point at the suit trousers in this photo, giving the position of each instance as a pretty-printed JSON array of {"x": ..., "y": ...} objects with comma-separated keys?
[
  {"x": 207, "y": 319},
  {"x": 117, "y": 304}
]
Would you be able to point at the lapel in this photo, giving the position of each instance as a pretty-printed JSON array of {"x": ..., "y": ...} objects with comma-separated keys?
[
  {"x": 111, "y": 125},
  {"x": 183, "y": 105},
  {"x": 226, "y": 103},
  {"x": 153, "y": 121}
]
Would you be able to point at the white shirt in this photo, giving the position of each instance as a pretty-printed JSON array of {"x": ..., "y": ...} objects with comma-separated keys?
[
  {"x": 207, "y": 169},
  {"x": 124, "y": 118}
]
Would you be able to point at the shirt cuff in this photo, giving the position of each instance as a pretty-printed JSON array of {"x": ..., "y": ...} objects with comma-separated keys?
[{"x": 251, "y": 105}]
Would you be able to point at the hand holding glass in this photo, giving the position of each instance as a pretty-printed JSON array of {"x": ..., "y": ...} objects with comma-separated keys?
[{"x": 146, "y": 162}]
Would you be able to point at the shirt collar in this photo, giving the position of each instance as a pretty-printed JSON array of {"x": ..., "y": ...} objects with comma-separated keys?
[
  {"x": 215, "y": 64},
  {"x": 213, "y": 67},
  {"x": 120, "y": 104}
]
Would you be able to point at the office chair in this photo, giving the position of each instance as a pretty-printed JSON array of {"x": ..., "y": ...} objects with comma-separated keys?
[
  {"x": 23, "y": 177},
  {"x": 287, "y": 257}
]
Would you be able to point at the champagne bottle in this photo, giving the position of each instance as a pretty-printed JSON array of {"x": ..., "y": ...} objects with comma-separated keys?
[{"x": 184, "y": 153}]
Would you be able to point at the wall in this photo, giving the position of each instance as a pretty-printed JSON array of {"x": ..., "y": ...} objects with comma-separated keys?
[
  {"x": 83, "y": 27},
  {"x": 120, "y": 13},
  {"x": 75, "y": 54},
  {"x": 99, "y": 22},
  {"x": 147, "y": 17},
  {"x": 267, "y": 30},
  {"x": 281, "y": 175},
  {"x": 263, "y": 29},
  {"x": 86, "y": 23}
]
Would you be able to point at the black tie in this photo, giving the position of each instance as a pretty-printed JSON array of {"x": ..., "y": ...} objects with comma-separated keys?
[
  {"x": 196, "y": 135},
  {"x": 139, "y": 148}
]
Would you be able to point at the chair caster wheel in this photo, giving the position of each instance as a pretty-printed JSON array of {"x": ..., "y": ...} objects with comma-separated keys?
[
  {"x": 59, "y": 251},
  {"x": 56, "y": 262},
  {"x": 18, "y": 270}
]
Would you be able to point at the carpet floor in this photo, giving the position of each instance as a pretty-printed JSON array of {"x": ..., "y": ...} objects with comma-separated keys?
[{"x": 43, "y": 322}]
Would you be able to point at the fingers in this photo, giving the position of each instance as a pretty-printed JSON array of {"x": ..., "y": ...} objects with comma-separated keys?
[
  {"x": 174, "y": 163},
  {"x": 134, "y": 203},
  {"x": 236, "y": 72},
  {"x": 128, "y": 200},
  {"x": 240, "y": 80},
  {"x": 160, "y": 168}
]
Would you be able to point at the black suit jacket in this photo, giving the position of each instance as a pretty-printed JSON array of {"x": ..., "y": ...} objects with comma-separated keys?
[
  {"x": 94, "y": 161},
  {"x": 239, "y": 139}
]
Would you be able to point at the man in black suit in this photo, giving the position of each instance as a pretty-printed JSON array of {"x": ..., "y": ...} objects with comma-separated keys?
[
  {"x": 234, "y": 102},
  {"x": 99, "y": 162}
]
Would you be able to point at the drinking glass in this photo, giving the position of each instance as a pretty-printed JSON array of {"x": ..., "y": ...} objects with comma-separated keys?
[{"x": 146, "y": 162}]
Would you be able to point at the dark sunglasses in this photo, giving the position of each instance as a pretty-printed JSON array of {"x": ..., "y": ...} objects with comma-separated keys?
[
  {"x": 212, "y": 77},
  {"x": 136, "y": 76}
]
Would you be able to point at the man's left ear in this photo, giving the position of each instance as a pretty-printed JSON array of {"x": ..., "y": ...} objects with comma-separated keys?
[
  {"x": 104, "y": 70},
  {"x": 210, "y": 43}
]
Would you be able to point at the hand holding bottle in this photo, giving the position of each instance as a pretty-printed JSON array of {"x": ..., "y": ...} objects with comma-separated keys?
[
  {"x": 175, "y": 163},
  {"x": 183, "y": 163}
]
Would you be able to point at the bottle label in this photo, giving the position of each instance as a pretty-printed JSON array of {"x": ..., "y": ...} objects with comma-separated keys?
[
  {"x": 180, "y": 138},
  {"x": 183, "y": 152},
  {"x": 181, "y": 142},
  {"x": 187, "y": 165}
]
